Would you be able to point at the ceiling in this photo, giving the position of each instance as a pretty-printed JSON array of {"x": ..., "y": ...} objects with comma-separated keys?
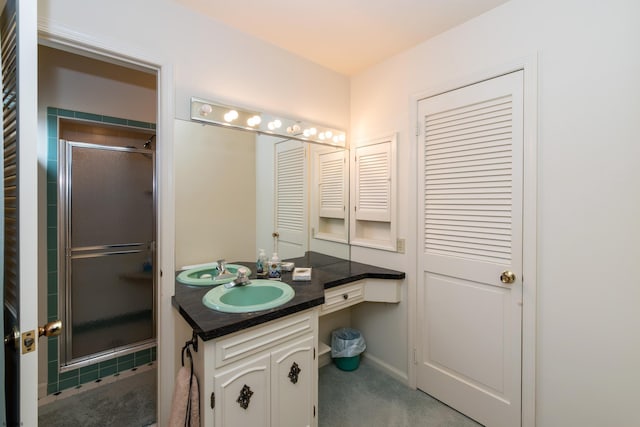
[{"x": 344, "y": 35}]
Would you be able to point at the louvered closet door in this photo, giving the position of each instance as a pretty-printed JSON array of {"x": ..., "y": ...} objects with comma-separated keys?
[
  {"x": 18, "y": 36},
  {"x": 470, "y": 213},
  {"x": 291, "y": 198}
]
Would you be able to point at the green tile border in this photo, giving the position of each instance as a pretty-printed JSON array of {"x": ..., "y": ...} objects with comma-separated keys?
[{"x": 57, "y": 381}]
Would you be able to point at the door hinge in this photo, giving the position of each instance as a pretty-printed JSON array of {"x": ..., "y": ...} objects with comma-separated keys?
[
  {"x": 213, "y": 400},
  {"x": 314, "y": 353},
  {"x": 314, "y": 411}
]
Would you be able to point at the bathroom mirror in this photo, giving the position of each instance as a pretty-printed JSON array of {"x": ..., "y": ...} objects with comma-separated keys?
[{"x": 235, "y": 189}]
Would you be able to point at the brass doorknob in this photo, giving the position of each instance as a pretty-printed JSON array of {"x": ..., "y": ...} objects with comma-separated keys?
[
  {"x": 51, "y": 329},
  {"x": 507, "y": 277}
]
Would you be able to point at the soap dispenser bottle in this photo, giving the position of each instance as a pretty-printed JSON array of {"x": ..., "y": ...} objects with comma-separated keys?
[
  {"x": 262, "y": 263},
  {"x": 274, "y": 267}
]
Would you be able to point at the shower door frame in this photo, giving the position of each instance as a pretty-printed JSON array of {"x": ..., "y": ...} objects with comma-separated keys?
[{"x": 65, "y": 256}]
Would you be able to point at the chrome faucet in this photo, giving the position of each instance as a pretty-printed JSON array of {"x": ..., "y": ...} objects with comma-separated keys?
[
  {"x": 240, "y": 280},
  {"x": 223, "y": 273},
  {"x": 221, "y": 265}
]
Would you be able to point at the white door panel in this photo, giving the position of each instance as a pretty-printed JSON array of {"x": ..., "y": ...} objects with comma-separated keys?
[
  {"x": 465, "y": 328},
  {"x": 242, "y": 394},
  {"x": 470, "y": 213}
]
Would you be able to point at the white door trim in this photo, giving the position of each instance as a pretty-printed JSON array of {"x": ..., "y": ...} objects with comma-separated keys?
[
  {"x": 27, "y": 204},
  {"x": 530, "y": 176},
  {"x": 58, "y": 36}
]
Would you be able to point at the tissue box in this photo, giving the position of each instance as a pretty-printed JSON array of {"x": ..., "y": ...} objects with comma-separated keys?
[
  {"x": 287, "y": 266},
  {"x": 301, "y": 274}
]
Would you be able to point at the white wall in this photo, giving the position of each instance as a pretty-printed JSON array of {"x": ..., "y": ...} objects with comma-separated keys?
[
  {"x": 215, "y": 181},
  {"x": 588, "y": 315},
  {"x": 79, "y": 83}
]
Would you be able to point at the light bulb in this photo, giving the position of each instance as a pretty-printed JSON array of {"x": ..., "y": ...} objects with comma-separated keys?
[
  {"x": 206, "y": 109},
  {"x": 275, "y": 124},
  {"x": 306, "y": 133},
  {"x": 313, "y": 131},
  {"x": 254, "y": 121},
  {"x": 336, "y": 139},
  {"x": 328, "y": 134},
  {"x": 321, "y": 136},
  {"x": 296, "y": 128},
  {"x": 343, "y": 138},
  {"x": 231, "y": 115}
]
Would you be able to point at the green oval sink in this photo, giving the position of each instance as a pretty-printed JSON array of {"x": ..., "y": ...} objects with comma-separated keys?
[
  {"x": 261, "y": 294},
  {"x": 207, "y": 275}
]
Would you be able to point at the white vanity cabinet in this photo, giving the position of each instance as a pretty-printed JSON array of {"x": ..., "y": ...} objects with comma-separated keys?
[{"x": 265, "y": 375}]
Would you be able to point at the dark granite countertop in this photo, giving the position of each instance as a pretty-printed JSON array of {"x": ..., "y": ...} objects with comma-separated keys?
[{"x": 327, "y": 272}]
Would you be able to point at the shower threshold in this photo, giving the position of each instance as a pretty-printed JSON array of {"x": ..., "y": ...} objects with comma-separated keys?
[{"x": 107, "y": 355}]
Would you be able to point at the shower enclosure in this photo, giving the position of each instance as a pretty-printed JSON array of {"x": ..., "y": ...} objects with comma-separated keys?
[{"x": 106, "y": 251}]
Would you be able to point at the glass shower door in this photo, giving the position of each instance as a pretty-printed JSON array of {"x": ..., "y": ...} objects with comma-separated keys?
[{"x": 109, "y": 300}]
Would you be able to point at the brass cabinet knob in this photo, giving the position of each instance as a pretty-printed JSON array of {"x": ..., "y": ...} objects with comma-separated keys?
[{"x": 507, "y": 277}]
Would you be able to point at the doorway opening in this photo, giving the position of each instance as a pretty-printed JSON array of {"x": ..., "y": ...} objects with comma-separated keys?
[{"x": 109, "y": 111}]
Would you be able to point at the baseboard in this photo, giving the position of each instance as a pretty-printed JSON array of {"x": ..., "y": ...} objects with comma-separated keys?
[
  {"x": 388, "y": 369},
  {"x": 324, "y": 360},
  {"x": 42, "y": 390}
]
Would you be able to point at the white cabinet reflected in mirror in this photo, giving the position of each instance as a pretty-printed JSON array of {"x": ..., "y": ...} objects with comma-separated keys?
[{"x": 235, "y": 189}]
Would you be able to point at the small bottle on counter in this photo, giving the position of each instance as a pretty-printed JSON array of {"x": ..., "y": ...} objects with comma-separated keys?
[
  {"x": 275, "y": 271},
  {"x": 262, "y": 263}
]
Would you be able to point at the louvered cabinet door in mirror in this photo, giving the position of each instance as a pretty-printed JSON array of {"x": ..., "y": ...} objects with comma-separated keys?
[
  {"x": 291, "y": 198},
  {"x": 329, "y": 194}
]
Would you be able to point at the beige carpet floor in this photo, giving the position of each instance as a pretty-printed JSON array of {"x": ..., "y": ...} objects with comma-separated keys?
[{"x": 368, "y": 397}]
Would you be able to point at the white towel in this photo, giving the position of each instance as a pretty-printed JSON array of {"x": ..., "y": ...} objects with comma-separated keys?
[{"x": 180, "y": 402}]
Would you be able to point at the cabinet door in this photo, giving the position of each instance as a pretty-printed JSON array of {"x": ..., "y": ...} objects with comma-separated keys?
[
  {"x": 293, "y": 377},
  {"x": 242, "y": 394}
]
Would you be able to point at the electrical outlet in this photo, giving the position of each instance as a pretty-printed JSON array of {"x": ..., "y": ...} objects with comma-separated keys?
[{"x": 400, "y": 246}]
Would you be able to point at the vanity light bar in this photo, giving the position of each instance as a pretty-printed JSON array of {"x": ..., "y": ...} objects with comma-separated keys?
[{"x": 269, "y": 124}]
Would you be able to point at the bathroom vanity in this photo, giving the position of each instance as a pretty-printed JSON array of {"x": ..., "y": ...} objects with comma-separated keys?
[{"x": 261, "y": 368}]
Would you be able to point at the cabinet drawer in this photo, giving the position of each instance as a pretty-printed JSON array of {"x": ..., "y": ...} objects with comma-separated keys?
[
  {"x": 254, "y": 340},
  {"x": 342, "y": 297}
]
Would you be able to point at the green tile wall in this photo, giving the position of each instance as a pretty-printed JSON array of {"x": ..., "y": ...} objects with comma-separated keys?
[{"x": 56, "y": 381}]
